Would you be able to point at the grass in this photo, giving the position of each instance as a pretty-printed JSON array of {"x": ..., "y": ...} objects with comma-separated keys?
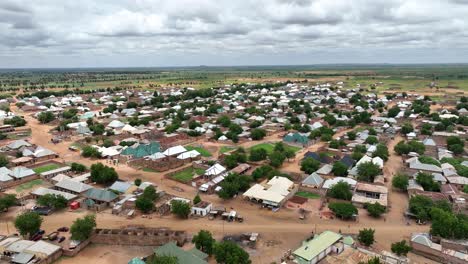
[
  {"x": 269, "y": 147},
  {"x": 308, "y": 195},
  {"x": 28, "y": 185},
  {"x": 225, "y": 149},
  {"x": 187, "y": 174},
  {"x": 204, "y": 152},
  {"x": 45, "y": 168},
  {"x": 149, "y": 170}
]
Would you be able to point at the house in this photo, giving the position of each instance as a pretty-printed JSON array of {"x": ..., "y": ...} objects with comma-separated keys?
[
  {"x": 297, "y": 139},
  {"x": 272, "y": 194},
  {"x": 202, "y": 208},
  {"x": 315, "y": 250},
  {"x": 120, "y": 186},
  {"x": 422, "y": 244},
  {"x": 215, "y": 170},
  {"x": 26, "y": 251},
  {"x": 99, "y": 197},
  {"x": 369, "y": 193},
  {"x": 312, "y": 181},
  {"x": 41, "y": 191},
  {"x": 193, "y": 256},
  {"x": 142, "y": 150},
  {"x": 70, "y": 186},
  {"x": 52, "y": 173},
  {"x": 330, "y": 182},
  {"x": 174, "y": 151},
  {"x": 18, "y": 144}
]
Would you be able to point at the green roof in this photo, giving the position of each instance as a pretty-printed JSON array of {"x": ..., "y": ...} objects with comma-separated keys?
[
  {"x": 312, "y": 248},
  {"x": 296, "y": 138},
  {"x": 136, "y": 261},
  {"x": 142, "y": 150},
  {"x": 198, "y": 253},
  {"x": 347, "y": 240},
  {"x": 183, "y": 257},
  {"x": 100, "y": 195}
]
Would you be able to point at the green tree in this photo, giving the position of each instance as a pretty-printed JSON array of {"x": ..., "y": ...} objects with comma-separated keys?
[
  {"x": 233, "y": 184},
  {"x": 144, "y": 204},
  {"x": 309, "y": 165},
  {"x": 53, "y": 201},
  {"x": 420, "y": 206},
  {"x": 276, "y": 159},
  {"x": 447, "y": 225},
  {"x": 77, "y": 167},
  {"x": 197, "y": 199},
  {"x": 381, "y": 151},
  {"x": 137, "y": 182},
  {"x": 258, "y": 154},
  {"x": 15, "y": 121},
  {"x": 343, "y": 210},
  {"x": 372, "y": 140},
  {"x": 392, "y": 112},
  {"x": 103, "y": 174},
  {"x": 367, "y": 171},
  {"x": 366, "y": 236},
  {"x": 204, "y": 241},
  {"x": 224, "y": 120},
  {"x": 341, "y": 190},
  {"x": 351, "y": 135},
  {"x": 228, "y": 252},
  {"x": 339, "y": 169},
  {"x": 3, "y": 160},
  {"x": 400, "y": 181},
  {"x": 375, "y": 209},
  {"x": 46, "y": 117},
  {"x": 82, "y": 228},
  {"x": 257, "y": 133},
  {"x": 150, "y": 193},
  {"x": 401, "y": 248},
  {"x": 180, "y": 208},
  {"x": 155, "y": 259},
  {"x": 28, "y": 223},
  {"x": 402, "y": 148},
  {"x": 90, "y": 152},
  {"x": 427, "y": 182},
  {"x": 406, "y": 128}
]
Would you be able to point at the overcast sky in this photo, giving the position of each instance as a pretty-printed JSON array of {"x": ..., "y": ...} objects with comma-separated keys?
[{"x": 118, "y": 33}]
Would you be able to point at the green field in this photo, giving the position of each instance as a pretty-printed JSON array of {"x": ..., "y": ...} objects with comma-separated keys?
[
  {"x": 45, "y": 168},
  {"x": 202, "y": 151},
  {"x": 187, "y": 174},
  {"x": 148, "y": 170},
  {"x": 28, "y": 185},
  {"x": 269, "y": 147},
  {"x": 308, "y": 195},
  {"x": 225, "y": 149}
]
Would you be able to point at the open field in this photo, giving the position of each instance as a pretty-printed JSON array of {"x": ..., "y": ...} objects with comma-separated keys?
[
  {"x": 187, "y": 174},
  {"x": 28, "y": 185},
  {"x": 269, "y": 147},
  {"x": 45, "y": 168},
  {"x": 204, "y": 152},
  {"x": 308, "y": 195}
]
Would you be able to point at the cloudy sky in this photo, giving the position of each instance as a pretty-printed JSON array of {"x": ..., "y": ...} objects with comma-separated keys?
[{"x": 119, "y": 33}]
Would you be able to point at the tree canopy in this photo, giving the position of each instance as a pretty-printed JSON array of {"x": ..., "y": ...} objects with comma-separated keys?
[
  {"x": 28, "y": 223},
  {"x": 367, "y": 171},
  {"x": 180, "y": 208},
  {"x": 204, "y": 241},
  {"x": 366, "y": 236},
  {"x": 341, "y": 190},
  {"x": 82, "y": 228},
  {"x": 343, "y": 210},
  {"x": 309, "y": 165},
  {"x": 103, "y": 174},
  {"x": 228, "y": 252}
]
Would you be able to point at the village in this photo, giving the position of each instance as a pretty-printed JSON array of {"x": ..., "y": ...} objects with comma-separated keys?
[{"x": 273, "y": 172}]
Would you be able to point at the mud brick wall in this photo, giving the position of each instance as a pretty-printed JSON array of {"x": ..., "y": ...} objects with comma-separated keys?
[{"x": 139, "y": 237}]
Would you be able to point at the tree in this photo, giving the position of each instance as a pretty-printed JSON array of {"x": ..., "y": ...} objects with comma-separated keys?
[
  {"x": 309, "y": 165},
  {"x": 77, "y": 167},
  {"x": 367, "y": 171},
  {"x": 366, "y": 236},
  {"x": 402, "y": 148},
  {"x": 3, "y": 160},
  {"x": 144, "y": 204},
  {"x": 427, "y": 182},
  {"x": 351, "y": 135},
  {"x": 180, "y": 208},
  {"x": 448, "y": 225},
  {"x": 7, "y": 201},
  {"x": 28, "y": 223},
  {"x": 90, "y": 152},
  {"x": 224, "y": 120},
  {"x": 374, "y": 260},
  {"x": 401, "y": 248},
  {"x": 392, "y": 112},
  {"x": 82, "y": 228},
  {"x": 343, "y": 210},
  {"x": 341, "y": 190},
  {"x": 381, "y": 151},
  {"x": 276, "y": 159},
  {"x": 228, "y": 252},
  {"x": 150, "y": 193},
  {"x": 420, "y": 206},
  {"x": 257, "y": 133},
  {"x": 372, "y": 140},
  {"x": 455, "y": 144},
  {"x": 15, "y": 121},
  {"x": 108, "y": 143},
  {"x": 258, "y": 154},
  {"x": 137, "y": 182},
  {"x": 400, "y": 181},
  {"x": 197, "y": 199},
  {"x": 339, "y": 169},
  {"x": 375, "y": 209},
  {"x": 103, "y": 174},
  {"x": 406, "y": 128},
  {"x": 53, "y": 201},
  {"x": 204, "y": 241},
  {"x": 233, "y": 184},
  {"x": 46, "y": 117}
]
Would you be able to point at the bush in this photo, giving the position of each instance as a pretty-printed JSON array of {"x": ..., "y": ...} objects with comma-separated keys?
[
  {"x": 46, "y": 117},
  {"x": 3, "y": 160},
  {"x": 341, "y": 190},
  {"x": 343, "y": 210},
  {"x": 77, "y": 167},
  {"x": 428, "y": 160},
  {"x": 15, "y": 121}
]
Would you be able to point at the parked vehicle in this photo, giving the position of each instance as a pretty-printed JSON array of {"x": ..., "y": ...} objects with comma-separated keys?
[
  {"x": 63, "y": 229},
  {"x": 61, "y": 239},
  {"x": 52, "y": 236},
  {"x": 37, "y": 237}
]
